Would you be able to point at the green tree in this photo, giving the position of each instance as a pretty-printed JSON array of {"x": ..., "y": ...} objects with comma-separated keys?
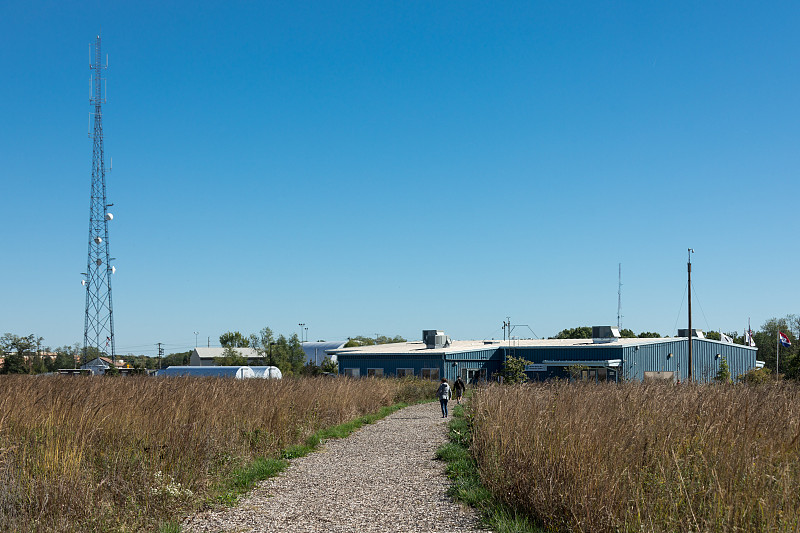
[
  {"x": 16, "y": 350},
  {"x": 724, "y": 372},
  {"x": 361, "y": 340},
  {"x": 627, "y": 333},
  {"x": 649, "y": 335},
  {"x": 234, "y": 339},
  {"x": 177, "y": 359},
  {"x": 65, "y": 357},
  {"x": 582, "y": 332},
  {"x": 329, "y": 366},
  {"x": 713, "y": 335},
  {"x": 230, "y": 357},
  {"x": 757, "y": 376},
  {"x": 311, "y": 369},
  {"x": 14, "y": 363},
  {"x": 513, "y": 370},
  {"x": 262, "y": 342},
  {"x": 297, "y": 356},
  {"x": 766, "y": 340}
]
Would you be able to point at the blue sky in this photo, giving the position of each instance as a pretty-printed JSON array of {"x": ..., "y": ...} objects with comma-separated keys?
[{"x": 388, "y": 167}]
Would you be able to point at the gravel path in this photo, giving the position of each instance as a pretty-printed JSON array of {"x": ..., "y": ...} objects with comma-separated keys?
[{"x": 384, "y": 477}]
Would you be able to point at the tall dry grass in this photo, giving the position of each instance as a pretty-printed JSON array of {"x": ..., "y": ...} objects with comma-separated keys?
[
  {"x": 643, "y": 457},
  {"x": 122, "y": 454}
]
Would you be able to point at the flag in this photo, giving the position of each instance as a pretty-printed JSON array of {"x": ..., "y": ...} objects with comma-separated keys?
[
  {"x": 785, "y": 342},
  {"x": 725, "y": 338},
  {"x": 748, "y": 338}
]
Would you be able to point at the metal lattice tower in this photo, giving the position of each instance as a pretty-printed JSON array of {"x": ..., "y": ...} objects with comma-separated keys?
[{"x": 98, "y": 329}]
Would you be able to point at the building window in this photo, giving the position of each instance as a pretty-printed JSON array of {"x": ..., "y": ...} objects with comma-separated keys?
[
  {"x": 375, "y": 372},
  {"x": 351, "y": 372},
  {"x": 430, "y": 373},
  {"x": 405, "y": 372},
  {"x": 473, "y": 375}
]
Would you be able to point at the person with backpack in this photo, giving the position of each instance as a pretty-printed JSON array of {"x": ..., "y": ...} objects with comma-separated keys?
[{"x": 444, "y": 394}]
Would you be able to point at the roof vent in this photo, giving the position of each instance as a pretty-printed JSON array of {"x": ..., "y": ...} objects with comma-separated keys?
[
  {"x": 695, "y": 333},
  {"x": 435, "y": 338},
  {"x": 601, "y": 334}
]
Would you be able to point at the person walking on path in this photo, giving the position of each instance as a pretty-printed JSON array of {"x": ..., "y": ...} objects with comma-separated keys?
[
  {"x": 444, "y": 393},
  {"x": 459, "y": 388}
]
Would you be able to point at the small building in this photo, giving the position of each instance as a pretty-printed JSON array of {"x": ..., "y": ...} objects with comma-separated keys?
[
  {"x": 206, "y": 356},
  {"x": 100, "y": 365},
  {"x": 605, "y": 357},
  {"x": 316, "y": 352}
]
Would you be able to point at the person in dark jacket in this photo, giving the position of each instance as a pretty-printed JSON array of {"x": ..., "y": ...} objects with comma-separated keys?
[
  {"x": 459, "y": 388},
  {"x": 444, "y": 394}
]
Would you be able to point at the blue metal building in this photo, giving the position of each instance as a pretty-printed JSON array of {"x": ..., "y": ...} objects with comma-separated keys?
[{"x": 604, "y": 358}]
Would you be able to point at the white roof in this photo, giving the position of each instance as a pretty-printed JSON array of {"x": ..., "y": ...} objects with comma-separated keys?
[{"x": 418, "y": 348}]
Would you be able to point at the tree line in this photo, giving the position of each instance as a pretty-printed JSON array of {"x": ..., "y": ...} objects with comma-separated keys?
[{"x": 286, "y": 353}]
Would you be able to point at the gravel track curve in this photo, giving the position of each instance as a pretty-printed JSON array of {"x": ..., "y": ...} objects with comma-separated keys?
[{"x": 383, "y": 477}]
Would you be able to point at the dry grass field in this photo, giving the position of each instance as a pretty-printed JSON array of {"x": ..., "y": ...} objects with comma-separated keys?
[
  {"x": 643, "y": 457},
  {"x": 125, "y": 454}
]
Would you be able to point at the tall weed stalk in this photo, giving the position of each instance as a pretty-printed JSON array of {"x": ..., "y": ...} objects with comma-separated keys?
[
  {"x": 123, "y": 454},
  {"x": 643, "y": 457}
]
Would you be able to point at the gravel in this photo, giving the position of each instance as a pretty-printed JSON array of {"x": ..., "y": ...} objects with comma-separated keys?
[{"x": 384, "y": 477}]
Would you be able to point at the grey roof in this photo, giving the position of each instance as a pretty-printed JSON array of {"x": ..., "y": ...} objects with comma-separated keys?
[{"x": 316, "y": 351}]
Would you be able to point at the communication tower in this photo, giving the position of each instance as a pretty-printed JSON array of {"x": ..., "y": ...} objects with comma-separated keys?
[{"x": 98, "y": 329}]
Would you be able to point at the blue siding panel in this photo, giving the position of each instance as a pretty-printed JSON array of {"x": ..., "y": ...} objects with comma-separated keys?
[{"x": 664, "y": 356}]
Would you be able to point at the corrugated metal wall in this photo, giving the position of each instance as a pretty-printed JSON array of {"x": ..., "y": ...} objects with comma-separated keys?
[
  {"x": 449, "y": 365},
  {"x": 655, "y": 358},
  {"x": 646, "y": 357}
]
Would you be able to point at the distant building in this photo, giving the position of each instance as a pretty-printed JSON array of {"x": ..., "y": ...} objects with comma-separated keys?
[
  {"x": 606, "y": 357},
  {"x": 100, "y": 365},
  {"x": 316, "y": 352},
  {"x": 206, "y": 356}
]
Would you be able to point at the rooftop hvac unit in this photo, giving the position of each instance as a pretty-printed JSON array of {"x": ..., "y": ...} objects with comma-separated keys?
[
  {"x": 605, "y": 334},
  {"x": 434, "y": 338},
  {"x": 695, "y": 333}
]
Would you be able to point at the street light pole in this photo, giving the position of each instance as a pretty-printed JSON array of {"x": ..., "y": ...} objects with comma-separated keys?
[{"x": 196, "y": 333}]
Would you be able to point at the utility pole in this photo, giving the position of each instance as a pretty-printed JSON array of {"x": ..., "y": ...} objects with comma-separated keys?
[
  {"x": 160, "y": 354},
  {"x": 98, "y": 324},
  {"x": 689, "y": 334}
]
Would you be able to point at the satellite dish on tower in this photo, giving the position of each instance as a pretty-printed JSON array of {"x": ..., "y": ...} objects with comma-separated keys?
[
  {"x": 99, "y": 262},
  {"x": 109, "y": 216},
  {"x": 98, "y": 240}
]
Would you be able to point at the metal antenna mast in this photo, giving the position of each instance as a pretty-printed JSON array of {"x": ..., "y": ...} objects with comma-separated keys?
[
  {"x": 98, "y": 328},
  {"x": 619, "y": 298}
]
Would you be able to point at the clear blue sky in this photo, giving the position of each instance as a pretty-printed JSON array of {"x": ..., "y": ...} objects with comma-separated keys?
[{"x": 388, "y": 167}]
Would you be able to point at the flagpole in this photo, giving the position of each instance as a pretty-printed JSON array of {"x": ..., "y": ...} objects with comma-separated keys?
[{"x": 777, "y": 355}]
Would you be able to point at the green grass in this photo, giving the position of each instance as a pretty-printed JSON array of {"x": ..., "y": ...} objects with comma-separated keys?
[{"x": 467, "y": 488}]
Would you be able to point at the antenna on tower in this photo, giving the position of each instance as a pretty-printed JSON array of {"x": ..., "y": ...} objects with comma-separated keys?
[
  {"x": 619, "y": 298},
  {"x": 98, "y": 328}
]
